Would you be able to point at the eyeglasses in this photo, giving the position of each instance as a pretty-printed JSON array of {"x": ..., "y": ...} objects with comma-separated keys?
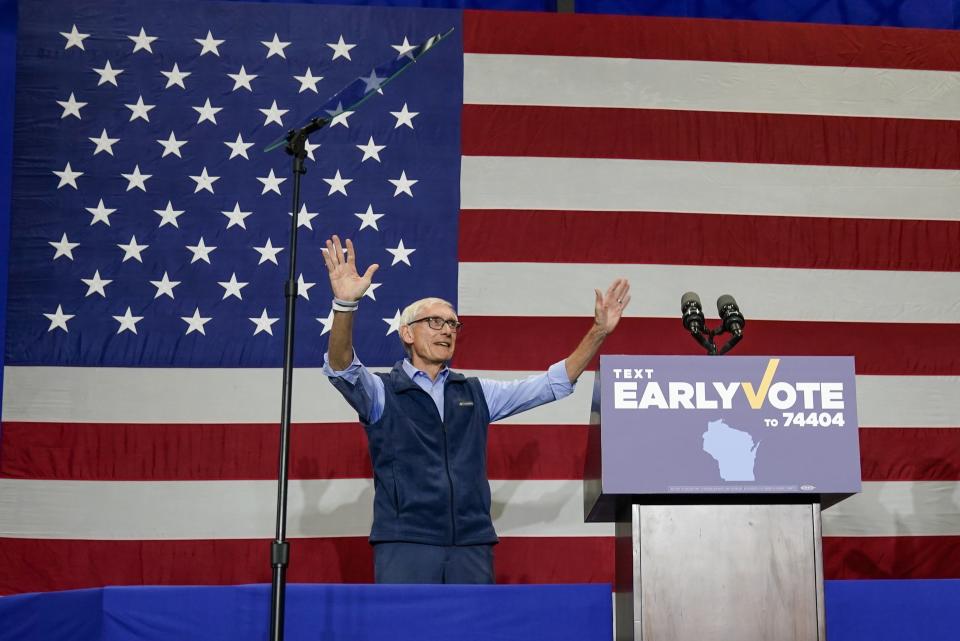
[{"x": 435, "y": 322}]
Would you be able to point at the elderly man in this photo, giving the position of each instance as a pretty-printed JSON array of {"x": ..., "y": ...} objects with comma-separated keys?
[{"x": 427, "y": 428}]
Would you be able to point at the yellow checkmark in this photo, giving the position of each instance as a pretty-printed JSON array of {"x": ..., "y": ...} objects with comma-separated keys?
[{"x": 756, "y": 398}]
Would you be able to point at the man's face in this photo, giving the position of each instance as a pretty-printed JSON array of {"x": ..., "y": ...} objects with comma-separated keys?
[{"x": 428, "y": 345}]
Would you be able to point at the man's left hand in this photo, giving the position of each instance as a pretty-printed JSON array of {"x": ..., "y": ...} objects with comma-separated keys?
[{"x": 610, "y": 305}]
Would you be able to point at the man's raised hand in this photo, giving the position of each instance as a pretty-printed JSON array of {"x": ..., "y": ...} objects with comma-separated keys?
[
  {"x": 347, "y": 284},
  {"x": 609, "y": 306}
]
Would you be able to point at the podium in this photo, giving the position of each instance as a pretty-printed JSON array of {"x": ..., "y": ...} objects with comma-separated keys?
[{"x": 715, "y": 471}]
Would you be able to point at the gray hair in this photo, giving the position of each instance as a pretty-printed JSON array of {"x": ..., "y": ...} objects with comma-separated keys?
[{"x": 411, "y": 311}]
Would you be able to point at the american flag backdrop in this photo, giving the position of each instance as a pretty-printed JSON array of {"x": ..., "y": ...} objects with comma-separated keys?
[{"x": 811, "y": 171}]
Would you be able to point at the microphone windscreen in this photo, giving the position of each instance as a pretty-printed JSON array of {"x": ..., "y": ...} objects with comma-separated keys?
[
  {"x": 686, "y": 299},
  {"x": 724, "y": 301}
]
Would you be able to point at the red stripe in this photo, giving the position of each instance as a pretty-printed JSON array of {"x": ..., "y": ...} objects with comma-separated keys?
[
  {"x": 662, "y": 134},
  {"x": 910, "y": 454},
  {"x": 661, "y": 238},
  {"x": 719, "y": 40},
  {"x": 891, "y": 557}
]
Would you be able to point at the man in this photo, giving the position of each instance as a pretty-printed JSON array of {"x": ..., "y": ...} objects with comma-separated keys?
[{"x": 427, "y": 428}]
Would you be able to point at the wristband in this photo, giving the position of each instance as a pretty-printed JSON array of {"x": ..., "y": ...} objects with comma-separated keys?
[{"x": 345, "y": 305}]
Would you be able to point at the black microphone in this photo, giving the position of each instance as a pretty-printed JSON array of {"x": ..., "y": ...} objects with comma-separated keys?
[
  {"x": 733, "y": 320},
  {"x": 692, "y": 312}
]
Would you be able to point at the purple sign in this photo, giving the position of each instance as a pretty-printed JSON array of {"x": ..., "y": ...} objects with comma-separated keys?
[{"x": 731, "y": 424}]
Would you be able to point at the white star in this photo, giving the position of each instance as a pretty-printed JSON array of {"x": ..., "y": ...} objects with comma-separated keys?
[
  {"x": 132, "y": 250},
  {"x": 309, "y": 147},
  {"x": 236, "y": 216},
  {"x": 304, "y": 217},
  {"x": 196, "y": 322},
  {"x": 140, "y": 110},
  {"x": 204, "y": 181},
  {"x": 64, "y": 247},
  {"x": 238, "y": 147},
  {"x": 400, "y": 254},
  {"x": 101, "y": 214},
  {"x": 273, "y": 114},
  {"x": 68, "y": 176},
  {"x": 403, "y": 185},
  {"x": 169, "y": 215},
  {"x": 370, "y": 291},
  {"x": 338, "y": 184},
  {"x": 371, "y": 150},
  {"x": 172, "y": 146},
  {"x": 308, "y": 81},
  {"x": 340, "y": 49},
  {"x": 176, "y": 77},
  {"x": 271, "y": 183},
  {"x": 242, "y": 79},
  {"x": 339, "y": 116},
  {"x": 372, "y": 83},
  {"x": 209, "y": 44},
  {"x": 232, "y": 287},
  {"x": 104, "y": 143},
  {"x": 405, "y": 48},
  {"x": 96, "y": 285},
  {"x": 326, "y": 322},
  {"x": 368, "y": 218},
  {"x": 404, "y": 117},
  {"x": 74, "y": 38},
  {"x": 200, "y": 252},
  {"x": 136, "y": 179},
  {"x": 58, "y": 319},
  {"x": 142, "y": 41},
  {"x": 164, "y": 286},
  {"x": 207, "y": 112},
  {"x": 268, "y": 253},
  {"x": 108, "y": 74},
  {"x": 128, "y": 322},
  {"x": 264, "y": 323},
  {"x": 71, "y": 107},
  {"x": 393, "y": 324},
  {"x": 303, "y": 287},
  {"x": 275, "y": 47}
]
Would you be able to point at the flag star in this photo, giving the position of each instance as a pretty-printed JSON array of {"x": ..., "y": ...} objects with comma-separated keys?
[
  {"x": 368, "y": 218},
  {"x": 136, "y": 179},
  {"x": 132, "y": 250},
  {"x": 140, "y": 110},
  {"x": 340, "y": 49},
  {"x": 339, "y": 116},
  {"x": 71, "y": 107},
  {"x": 104, "y": 143},
  {"x": 68, "y": 176},
  {"x": 303, "y": 287},
  {"x": 238, "y": 147},
  {"x": 64, "y": 247},
  {"x": 304, "y": 217},
  {"x": 58, "y": 319},
  {"x": 96, "y": 285},
  {"x": 232, "y": 287},
  {"x": 176, "y": 77},
  {"x": 169, "y": 215},
  {"x": 108, "y": 74},
  {"x": 400, "y": 254},
  {"x": 404, "y": 117},
  {"x": 268, "y": 253},
  {"x": 209, "y": 44},
  {"x": 404, "y": 49},
  {"x": 264, "y": 323},
  {"x": 372, "y": 83},
  {"x": 338, "y": 184},
  {"x": 236, "y": 217},
  {"x": 74, "y": 38},
  {"x": 200, "y": 252},
  {"x": 393, "y": 324},
  {"x": 308, "y": 81},
  {"x": 164, "y": 286},
  {"x": 402, "y": 184},
  {"x": 172, "y": 146},
  {"x": 196, "y": 322},
  {"x": 275, "y": 47},
  {"x": 273, "y": 114},
  {"x": 101, "y": 214},
  {"x": 142, "y": 41},
  {"x": 204, "y": 181},
  {"x": 309, "y": 147},
  {"x": 128, "y": 322},
  {"x": 242, "y": 79},
  {"x": 207, "y": 112},
  {"x": 370, "y": 291},
  {"x": 371, "y": 150},
  {"x": 326, "y": 322},
  {"x": 271, "y": 183}
]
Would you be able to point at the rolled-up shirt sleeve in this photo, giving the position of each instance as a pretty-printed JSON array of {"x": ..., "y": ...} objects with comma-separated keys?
[
  {"x": 363, "y": 390},
  {"x": 506, "y": 398}
]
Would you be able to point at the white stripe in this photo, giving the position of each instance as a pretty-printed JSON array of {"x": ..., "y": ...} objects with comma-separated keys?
[
  {"x": 694, "y": 85},
  {"x": 604, "y": 184},
  {"x": 246, "y": 509},
  {"x": 565, "y": 289}
]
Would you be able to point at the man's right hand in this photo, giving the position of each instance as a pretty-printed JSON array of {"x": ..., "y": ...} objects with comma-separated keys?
[{"x": 345, "y": 282}]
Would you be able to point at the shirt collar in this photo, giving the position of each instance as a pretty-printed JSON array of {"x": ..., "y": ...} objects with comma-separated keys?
[{"x": 413, "y": 372}]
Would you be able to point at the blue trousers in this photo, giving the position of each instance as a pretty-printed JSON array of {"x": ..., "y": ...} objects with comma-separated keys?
[{"x": 420, "y": 563}]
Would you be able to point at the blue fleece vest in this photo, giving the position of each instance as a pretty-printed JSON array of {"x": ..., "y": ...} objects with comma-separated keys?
[{"x": 430, "y": 474}]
